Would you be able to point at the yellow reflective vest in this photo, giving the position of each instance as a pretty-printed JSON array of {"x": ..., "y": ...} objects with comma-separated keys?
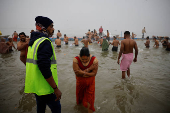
[{"x": 34, "y": 80}]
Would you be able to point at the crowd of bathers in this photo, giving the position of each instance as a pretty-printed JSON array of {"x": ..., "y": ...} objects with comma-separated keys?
[{"x": 91, "y": 36}]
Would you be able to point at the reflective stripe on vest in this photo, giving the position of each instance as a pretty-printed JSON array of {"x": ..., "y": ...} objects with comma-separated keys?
[
  {"x": 53, "y": 61},
  {"x": 34, "y": 80}
]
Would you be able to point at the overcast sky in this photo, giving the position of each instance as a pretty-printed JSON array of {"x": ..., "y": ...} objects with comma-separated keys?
[{"x": 75, "y": 17}]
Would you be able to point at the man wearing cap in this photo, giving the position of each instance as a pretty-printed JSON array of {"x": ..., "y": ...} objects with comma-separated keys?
[{"x": 41, "y": 67}]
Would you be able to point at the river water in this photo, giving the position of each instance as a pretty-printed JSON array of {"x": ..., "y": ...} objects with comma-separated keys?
[{"x": 146, "y": 92}]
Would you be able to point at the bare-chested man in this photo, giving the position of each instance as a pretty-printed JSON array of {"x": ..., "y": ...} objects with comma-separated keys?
[
  {"x": 10, "y": 44},
  {"x": 76, "y": 41},
  {"x": 126, "y": 51},
  {"x": 115, "y": 44},
  {"x": 59, "y": 34},
  {"x": 23, "y": 47},
  {"x": 108, "y": 35},
  {"x": 58, "y": 42},
  {"x": 101, "y": 41},
  {"x": 95, "y": 33},
  {"x": 86, "y": 41},
  {"x": 4, "y": 48},
  {"x": 15, "y": 36},
  {"x": 88, "y": 33},
  {"x": 164, "y": 42},
  {"x": 147, "y": 44},
  {"x": 65, "y": 39},
  {"x": 133, "y": 35},
  {"x": 92, "y": 36},
  {"x": 156, "y": 43},
  {"x": 97, "y": 38}
]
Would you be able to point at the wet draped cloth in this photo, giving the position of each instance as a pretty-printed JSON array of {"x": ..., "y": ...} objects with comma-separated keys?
[
  {"x": 126, "y": 61},
  {"x": 105, "y": 45},
  {"x": 15, "y": 38},
  {"x": 85, "y": 87}
]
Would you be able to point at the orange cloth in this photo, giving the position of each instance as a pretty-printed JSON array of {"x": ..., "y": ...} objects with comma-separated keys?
[
  {"x": 85, "y": 87},
  {"x": 85, "y": 91},
  {"x": 15, "y": 38}
]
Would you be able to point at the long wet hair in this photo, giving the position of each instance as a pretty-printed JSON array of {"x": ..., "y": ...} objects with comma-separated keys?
[{"x": 84, "y": 52}]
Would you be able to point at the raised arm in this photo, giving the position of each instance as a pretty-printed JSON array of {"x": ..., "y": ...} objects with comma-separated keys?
[{"x": 82, "y": 40}]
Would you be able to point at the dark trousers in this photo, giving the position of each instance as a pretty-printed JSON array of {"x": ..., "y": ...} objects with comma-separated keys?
[
  {"x": 142, "y": 35},
  {"x": 100, "y": 33},
  {"x": 108, "y": 38},
  {"x": 49, "y": 100}
]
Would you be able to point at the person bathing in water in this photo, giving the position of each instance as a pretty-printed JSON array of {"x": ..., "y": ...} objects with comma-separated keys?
[
  {"x": 100, "y": 41},
  {"x": 59, "y": 34},
  {"x": 156, "y": 42},
  {"x": 108, "y": 35},
  {"x": 22, "y": 46},
  {"x": 10, "y": 44},
  {"x": 168, "y": 44},
  {"x": 164, "y": 42},
  {"x": 4, "y": 48},
  {"x": 147, "y": 44},
  {"x": 88, "y": 33},
  {"x": 115, "y": 44},
  {"x": 15, "y": 36},
  {"x": 85, "y": 67},
  {"x": 133, "y": 35},
  {"x": 97, "y": 37},
  {"x": 58, "y": 42},
  {"x": 86, "y": 41},
  {"x": 76, "y": 41},
  {"x": 126, "y": 52},
  {"x": 65, "y": 39}
]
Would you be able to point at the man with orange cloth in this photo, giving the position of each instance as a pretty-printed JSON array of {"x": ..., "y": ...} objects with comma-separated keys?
[{"x": 15, "y": 36}]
